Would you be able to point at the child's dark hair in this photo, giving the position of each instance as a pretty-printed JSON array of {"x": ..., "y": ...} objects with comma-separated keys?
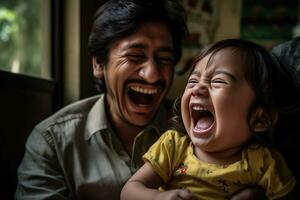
[{"x": 273, "y": 84}]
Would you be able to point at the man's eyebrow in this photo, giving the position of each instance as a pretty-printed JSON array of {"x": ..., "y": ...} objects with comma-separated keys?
[
  {"x": 144, "y": 46},
  {"x": 134, "y": 46},
  {"x": 219, "y": 71}
]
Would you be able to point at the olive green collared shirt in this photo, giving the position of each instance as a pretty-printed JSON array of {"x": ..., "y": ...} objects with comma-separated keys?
[{"x": 75, "y": 154}]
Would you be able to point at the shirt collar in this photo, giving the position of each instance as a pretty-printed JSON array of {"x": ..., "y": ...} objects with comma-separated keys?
[
  {"x": 159, "y": 123},
  {"x": 97, "y": 119}
]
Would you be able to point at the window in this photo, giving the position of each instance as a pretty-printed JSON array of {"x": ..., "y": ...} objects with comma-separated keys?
[
  {"x": 31, "y": 63},
  {"x": 268, "y": 22},
  {"x": 25, "y": 37}
]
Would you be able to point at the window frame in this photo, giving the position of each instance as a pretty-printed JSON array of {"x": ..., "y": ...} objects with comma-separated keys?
[
  {"x": 9, "y": 80},
  {"x": 29, "y": 100}
]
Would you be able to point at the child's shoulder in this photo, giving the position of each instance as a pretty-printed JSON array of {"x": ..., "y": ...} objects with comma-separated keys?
[
  {"x": 175, "y": 136},
  {"x": 261, "y": 150},
  {"x": 262, "y": 155},
  {"x": 171, "y": 133},
  {"x": 270, "y": 169}
]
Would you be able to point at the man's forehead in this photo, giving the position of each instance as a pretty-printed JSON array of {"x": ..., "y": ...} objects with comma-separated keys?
[{"x": 140, "y": 44}]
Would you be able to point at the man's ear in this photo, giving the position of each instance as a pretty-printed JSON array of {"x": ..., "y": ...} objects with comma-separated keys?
[
  {"x": 98, "y": 70},
  {"x": 261, "y": 120}
]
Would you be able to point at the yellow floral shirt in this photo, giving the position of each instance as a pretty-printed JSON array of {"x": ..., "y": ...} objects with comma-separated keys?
[{"x": 172, "y": 157}]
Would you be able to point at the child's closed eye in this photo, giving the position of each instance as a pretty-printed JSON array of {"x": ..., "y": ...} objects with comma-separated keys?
[
  {"x": 192, "y": 81},
  {"x": 219, "y": 80}
]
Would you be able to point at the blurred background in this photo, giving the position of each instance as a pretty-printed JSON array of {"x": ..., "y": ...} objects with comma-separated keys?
[{"x": 44, "y": 62}]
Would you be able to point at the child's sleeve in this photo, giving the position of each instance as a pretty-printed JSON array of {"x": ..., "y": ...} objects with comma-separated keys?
[
  {"x": 161, "y": 154},
  {"x": 277, "y": 178}
]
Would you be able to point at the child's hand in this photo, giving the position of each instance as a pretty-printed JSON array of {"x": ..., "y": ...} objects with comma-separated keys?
[{"x": 180, "y": 194}]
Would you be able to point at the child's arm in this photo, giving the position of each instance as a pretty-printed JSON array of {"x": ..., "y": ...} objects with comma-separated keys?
[{"x": 144, "y": 185}]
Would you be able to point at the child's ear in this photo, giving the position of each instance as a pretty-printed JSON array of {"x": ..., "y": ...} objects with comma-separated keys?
[
  {"x": 261, "y": 120},
  {"x": 98, "y": 70}
]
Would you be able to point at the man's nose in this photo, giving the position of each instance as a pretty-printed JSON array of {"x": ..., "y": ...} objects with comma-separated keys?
[{"x": 150, "y": 71}]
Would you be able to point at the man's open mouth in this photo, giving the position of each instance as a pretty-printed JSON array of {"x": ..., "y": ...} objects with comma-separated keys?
[
  {"x": 203, "y": 119},
  {"x": 142, "y": 95}
]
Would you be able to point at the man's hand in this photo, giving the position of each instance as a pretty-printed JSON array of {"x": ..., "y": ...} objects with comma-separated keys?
[
  {"x": 250, "y": 193},
  {"x": 178, "y": 194}
]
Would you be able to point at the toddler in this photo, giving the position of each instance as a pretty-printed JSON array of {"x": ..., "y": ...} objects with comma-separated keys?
[{"x": 222, "y": 137}]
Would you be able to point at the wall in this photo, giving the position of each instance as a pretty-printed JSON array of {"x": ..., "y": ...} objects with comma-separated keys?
[
  {"x": 72, "y": 51},
  {"x": 228, "y": 27},
  {"x": 78, "y": 75}
]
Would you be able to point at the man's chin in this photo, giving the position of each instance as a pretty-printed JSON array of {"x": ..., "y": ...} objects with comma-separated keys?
[
  {"x": 141, "y": 114},
  {"x": 141, "y": 119}
]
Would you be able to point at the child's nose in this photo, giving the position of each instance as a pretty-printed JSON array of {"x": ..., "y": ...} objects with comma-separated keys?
[{"x": 200, "y": 90}]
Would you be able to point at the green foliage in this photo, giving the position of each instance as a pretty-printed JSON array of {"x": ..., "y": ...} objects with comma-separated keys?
[{"x": 20, "y": 35}]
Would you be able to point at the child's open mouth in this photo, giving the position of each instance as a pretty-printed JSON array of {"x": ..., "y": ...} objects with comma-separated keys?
[{"x": 203, "y": 119}]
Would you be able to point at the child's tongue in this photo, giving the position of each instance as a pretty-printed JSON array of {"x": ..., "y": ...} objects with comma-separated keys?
[{"x": 204, "y": 123}]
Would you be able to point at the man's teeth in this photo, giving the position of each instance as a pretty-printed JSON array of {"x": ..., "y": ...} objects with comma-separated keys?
[
  {"x": 144, "y": 90},
  {"x": 199, "y": 108}
]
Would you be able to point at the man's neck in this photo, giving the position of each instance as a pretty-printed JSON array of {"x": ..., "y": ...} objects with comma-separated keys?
[
  {"x": 127, "y": 133},
  {"x": 125, "y": 130}
]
